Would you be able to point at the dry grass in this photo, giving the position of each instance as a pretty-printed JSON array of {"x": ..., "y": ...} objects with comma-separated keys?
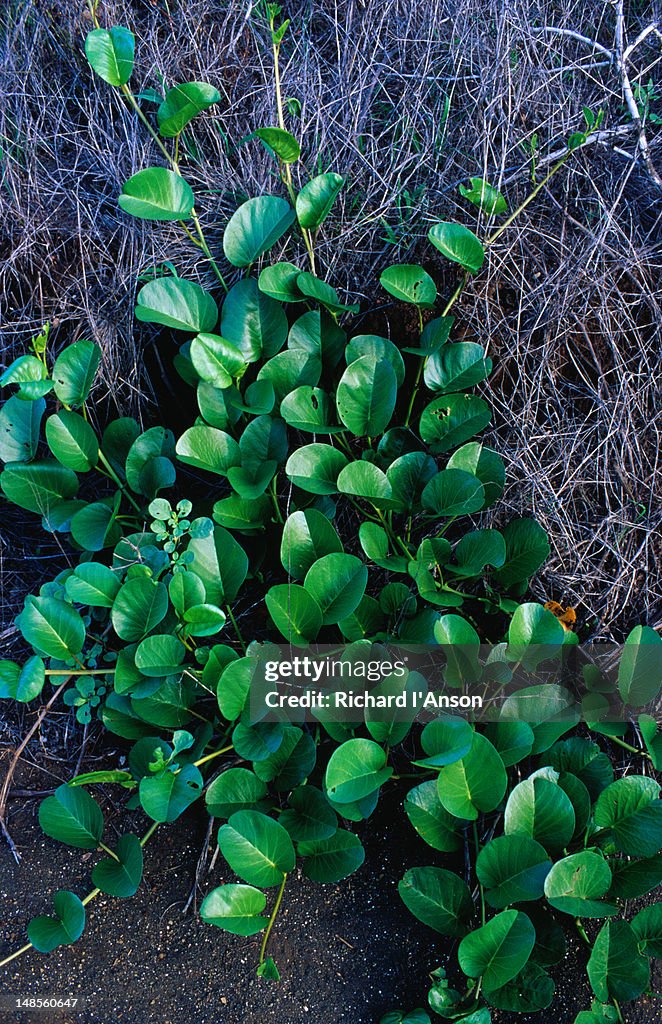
[{"x": 406, "y": 99}]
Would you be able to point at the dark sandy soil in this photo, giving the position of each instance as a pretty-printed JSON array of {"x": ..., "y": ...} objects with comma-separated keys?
[{"x": 347, "y": 952}]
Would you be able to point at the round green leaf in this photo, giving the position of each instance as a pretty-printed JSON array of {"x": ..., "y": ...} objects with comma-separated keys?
[
  {"x": 409, "y": 283},
  {"x": 253, "y": 322},
  {"x": 74, "y": 371},
  {"x": 295, "y": 612},
  {"x": 22, "y": 684},
  {"x": 221, "y": 563},
  {"x": 632, "y": 809},
  {"x": 485, "y": 464},
  {"x": 430, "y": 819},
  {"x": 174, "y": 302},
  {"x": 474, "y": 784},
  {"x": 452, "y": 492},
  {"x": 647, "y": 926},
  {"x": 527, "y": 547},
  {"x": 121, "y": 877},
  {"x": 315, "y": 468},
  {"x": 457, "y": 367},
  {"x": 209, "y": 449},
  {"x": 308, "y": 409},
  {"x": 235, "y": 789},
  {"x": 309, "y": 818},
  {"x": 540, "y": 809},
  {"x": 216, "y": 359},
  {"x": 93, "y": 584},
  {"x": 366, "y": 396},
  {"x": 52, "y": 626},
  {"x": 254, "y": 227},
  {"x": 139, "y": 606},
  {"x": 181, "y": 104},
  {"x": 331, "y": 859},
  {"x": 378, "y": 348},
  {"x": 615, "y": 968},
  {"x": 47, "y": 933},
  {"x": 110, "y": 54},
  {"x": 307, "y": 536},
  {"x": 445, "y": 741},
  {"x": 458, "y": 244},
  {"x": 530, "y": 990},
  {"x": 157, "y": 194},
  {"x": 356, "y": 769},
  {"x": 534, "y": 634},
  {"x": 165, "y": 797},
  {"x": 235, "y": 909},
  {"x": 279, "y": 281},
  {"x": 38, "y": 486},
  {"x": 72, "y": 441},
  {"x": 71, "y": 816},
  {"x": 257, "y": 848},
  {"x": 19, "y": 429},
  {"x": 451, "y": 419},
  {"x": 316, "y": 198},
  {"x": 280, "y": 142},
  {"x": 337, "y": 582},
  {"x": 576, "y": 884},
  {"x": 513, "y": 870},
  {"x": 365, "y": 480},
  {"x": 640, "y": 669},
  {"x": 159, "y": 655},
  {"x": 499, "y": 949},
  {"x": 438, "y": 898},
  {"x": 291, "y": 763}
]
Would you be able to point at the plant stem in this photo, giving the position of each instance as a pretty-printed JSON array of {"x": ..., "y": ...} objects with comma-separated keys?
[
  {"x": 86, "y": 899},
  {"x": 113, "y": 475},
  {"x": 80, "y": 672},
  {"x": 111, "y": 853},
  {"x": 532, "y": 195},
  {"x": 236, "y": 627},
  {"x": 210, "y": 757},
  {"x": 274, "y": 914},
  {"x": 628, "y": 746},
  {"x": 417, "y": 384}
]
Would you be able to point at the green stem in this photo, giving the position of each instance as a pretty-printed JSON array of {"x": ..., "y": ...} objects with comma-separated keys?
[
  {"x": 532, "y": 195},
  {"x": 628, "y": 746},
  {"x": 236, "y": 627},
  {"x": 580, "y": 928},
  {"x": 274, "y": 914},
  {"x": 210, "y": 757},
  {"x": 86, "y": 899},
  {"x": 80, "y": 672},
  {"x": 113, "y": 475},
  {"x": 417, "y": 384},
  {"x": 111, "y": 853}
]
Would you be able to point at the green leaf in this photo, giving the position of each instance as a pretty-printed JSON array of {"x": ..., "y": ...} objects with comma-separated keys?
[
  {"x": 445, "y": 741},
  {"x": 257, "y": 848},
  {"x": 72, "y": 441},
  {"x": 309, "y": 818},
  {"x": 640, "y": 669},
  {"x": 438, "y": 898},
  {"x": 289, "y": 370},
  {"x": 295, "y": 612},
  {"x": 234, "y": 686},
  {"x": 71, "y": 816},
  {"x": 513, "y": 740},
  {"x": 47, "y": 933},
  {"x": 74, "y": 371},
  {"x": 337, "y": 582},
  {"x": 615, "y": 968},
  {"x": 253, "y": 322},
  {"x": 576, "y": 884},
  {"x": 513, "y": 870},
  {"x": 123, "y": 876},
  {"x": 451, "y": 419},
  {"x": 307, "y": 536},
  {"x": 221, "y": 563},
  {"x": 651, "y": 733},
  {"x": 430, "y": 819},
  {"x": 254, "y": 227},
  {"x": 209, "y": 449},
  {"x": 366, "y": 396},
  {"x": 110, "y": 54},
  {"x": 474, "y": 784},
  {"x": 540, "y": 809},
  {"x": 486, "y": 197},
  {"x": 499, "y": 949},
  {"x": 355, "y": 770},
  {"x": 291, "y": 763},
  {"x": 53, "y": 627},
  {"x": 315, "y": 468},
  {"x": 457, "y": 367},
  {"x": 308, "y": 409},
  {"x": 174, "y": 302},
  {"x": 635, "y": 878},
  {"x": 378, "y": 348},
  {"x": 458, "y": 244},
  {"x": 19, "y": 429},
  {"x": 631, "y": 808},
  {"x": 314, "y": 201},
  {"x": 280, "y": 142},
  {"x": 216, "y": 359},
  {"x": 527, "y": 547},
  {"x": 159, "y": 655},
  {"x": 235, "y": 909},
  {"x": 94, "y": 526},
  {"x": 165, "y": 797},
  {"x": 139, "y": 606},
  {"x": 530, "y": 990},
  {"x": 181, "y": 104},
  {"x": 452, "y": 492},
  {"x": 317, "y": 333},
  {"x": 534, "y": 635},
  {"x": 319, "y": 291},
  {"x": 22, "y": 684},
  {"x": 485, "y": 464},
  {"x": 235, "y": 789},
  {"x": 409, "y": 283},
  {"x": 478, "y": 549},
  {"x": 365, "y": 480},
  {"x": 647, "y": 926},
  {"x": 331, "y": 859},
  {"x": 157, "y": 194},
  {"x": 31, "y": 376},
  {"x": 279, "y": 281},
  {"x": 435, "y": 334}
]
